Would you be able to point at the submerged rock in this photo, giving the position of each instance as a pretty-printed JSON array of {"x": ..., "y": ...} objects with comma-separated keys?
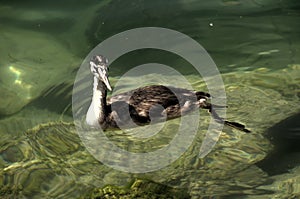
[
  {"x": 285, "y": 137},
  {"x": 40, "y": 48},
  {"x": 28, "y": 66},
  {"x": 139, "y": 189}
]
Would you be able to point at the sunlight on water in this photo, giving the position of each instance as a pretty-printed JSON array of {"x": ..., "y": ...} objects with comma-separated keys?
[
  {"x": 42, "y": 46},
  {"x": 54, "y": 153}
]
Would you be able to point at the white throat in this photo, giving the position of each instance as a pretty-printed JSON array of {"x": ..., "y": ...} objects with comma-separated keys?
[{"x": 94, "y": 111}]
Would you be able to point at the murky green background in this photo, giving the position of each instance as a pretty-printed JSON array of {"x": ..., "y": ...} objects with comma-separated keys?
[{"x": 254, "y": 43}]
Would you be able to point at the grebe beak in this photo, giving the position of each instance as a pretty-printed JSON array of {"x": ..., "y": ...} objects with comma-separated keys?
[{"x": 106, "y": 82}]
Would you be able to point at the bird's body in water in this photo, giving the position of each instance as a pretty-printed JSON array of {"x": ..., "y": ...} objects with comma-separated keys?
[{"x": 142, "y": 105}]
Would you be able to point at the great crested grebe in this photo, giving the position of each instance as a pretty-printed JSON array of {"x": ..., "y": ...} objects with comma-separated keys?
[{"x": 141, "y": 104}]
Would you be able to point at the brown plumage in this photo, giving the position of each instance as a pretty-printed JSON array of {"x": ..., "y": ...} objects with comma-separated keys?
[{"x": 143, "y": 105}]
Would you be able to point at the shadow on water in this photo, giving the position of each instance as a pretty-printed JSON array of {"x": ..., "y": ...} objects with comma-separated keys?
[
  {"x": 56, "y": 99},
  {"x": 286, "y": 139}
]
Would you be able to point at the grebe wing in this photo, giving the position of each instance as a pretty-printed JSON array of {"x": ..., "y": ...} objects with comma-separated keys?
[{"x": 160, "y": 100}]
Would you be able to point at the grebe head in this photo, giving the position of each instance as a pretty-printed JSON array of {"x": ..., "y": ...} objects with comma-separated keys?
[{"x": 99, "y": 68}]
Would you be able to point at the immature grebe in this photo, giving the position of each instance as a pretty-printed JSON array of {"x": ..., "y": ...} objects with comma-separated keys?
[{"x": 142, "y": 104}]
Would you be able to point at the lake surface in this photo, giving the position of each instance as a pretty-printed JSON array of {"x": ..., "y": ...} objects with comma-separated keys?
[{"x": 255, "y": 45}]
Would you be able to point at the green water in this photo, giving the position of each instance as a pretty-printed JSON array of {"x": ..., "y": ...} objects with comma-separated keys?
[{"x": 255, "y": 45}]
